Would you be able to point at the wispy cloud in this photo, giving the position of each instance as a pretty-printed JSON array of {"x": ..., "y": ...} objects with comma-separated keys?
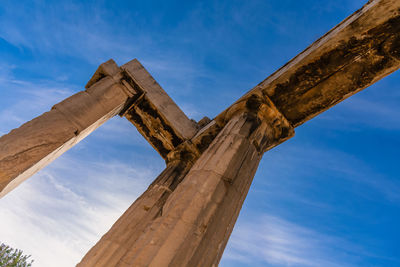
[
  {"x": 374, "y": 108},
  {"x": 62, "y": 211},
  {"x": 59, "y": 213},
  {"x": 317, "y": 165},
  {"x": 63, "y": 28},
  {"x": 272, "y": 240},
  {"x": 364, "y": 113},
  {"x": 28, "y": 100}
]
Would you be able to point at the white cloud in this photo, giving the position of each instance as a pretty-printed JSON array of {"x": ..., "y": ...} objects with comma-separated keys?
[
  {"x": 315, "y": 164},
  {"x": 58, "y": 214},
  {"x": 271, "y": 240},
  {"x": 376, "y": 108},
  {"x": 63, "y": 29},
  {"x": 28, "y": 99}
]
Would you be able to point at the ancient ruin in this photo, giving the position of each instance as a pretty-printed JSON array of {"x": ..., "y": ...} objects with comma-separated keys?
[{"x": 187, "y": 214}]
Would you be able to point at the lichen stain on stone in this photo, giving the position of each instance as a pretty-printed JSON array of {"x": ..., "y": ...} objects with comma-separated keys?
[
  {"x": 147, "y": 108},
  {"x": 380, "y": 46},
  {"x": 144, "y": 130},
  {"x": 259, "y": 110},
  {"x": 164, "y": 139},
  {"x": 205, "y": 139}
]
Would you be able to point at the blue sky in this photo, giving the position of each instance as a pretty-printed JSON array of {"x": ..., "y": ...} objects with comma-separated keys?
[{"x": 330, "y": 196}]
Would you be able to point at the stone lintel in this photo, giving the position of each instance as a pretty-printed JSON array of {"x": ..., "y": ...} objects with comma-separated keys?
[
  {"x": 358, "y": 52},
  {"x": 29, "y": 148},
  {"x": 154, "y": 113}
]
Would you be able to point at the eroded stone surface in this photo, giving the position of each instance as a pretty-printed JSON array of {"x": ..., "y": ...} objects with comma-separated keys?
[
  {"x": 27, "y": 149},
  {"x": 129, "y": 227},
  {"x": 155, "y": 114}
]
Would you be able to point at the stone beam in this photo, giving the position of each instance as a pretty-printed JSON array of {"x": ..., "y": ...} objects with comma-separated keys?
[
  {"x": 35, "y": 144},
  {"x": 359, "y": 51},
  {"x": 154, "y": 113}
]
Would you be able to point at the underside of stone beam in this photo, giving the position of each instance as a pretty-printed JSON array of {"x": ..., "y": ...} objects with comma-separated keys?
[
  {"x": 362, "y": 49},
  {"x": 154, "y": 113}
]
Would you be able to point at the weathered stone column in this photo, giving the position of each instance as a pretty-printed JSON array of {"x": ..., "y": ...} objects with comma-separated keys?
[
  {"x": 193, "y": 225},
  {"x": 29, "y": 148},
  {"x": 130, "y": 226}
]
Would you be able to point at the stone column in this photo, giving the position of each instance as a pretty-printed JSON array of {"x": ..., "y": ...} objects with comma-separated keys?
[
  {"x": 29, "y": 148},
  {"x": 195, "y": 221},
  {"x": 130, "y": 226}
]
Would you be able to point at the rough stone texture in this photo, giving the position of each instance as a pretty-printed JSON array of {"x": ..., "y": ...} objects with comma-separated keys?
[
  {"x": 189, "y": 223},
  {"x": 129, "y": 227},
  {"x": 26, "y": 150},
  {"x": 155, "y": 114}
]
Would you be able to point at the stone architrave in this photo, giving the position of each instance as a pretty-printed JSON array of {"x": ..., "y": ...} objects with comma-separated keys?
[
  {"x": 35, "y": 144},
  {"x": 187, "y": 214}
]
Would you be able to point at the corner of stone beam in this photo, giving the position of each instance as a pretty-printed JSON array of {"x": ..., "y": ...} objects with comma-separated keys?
[{"x": 108, "y": 68}]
